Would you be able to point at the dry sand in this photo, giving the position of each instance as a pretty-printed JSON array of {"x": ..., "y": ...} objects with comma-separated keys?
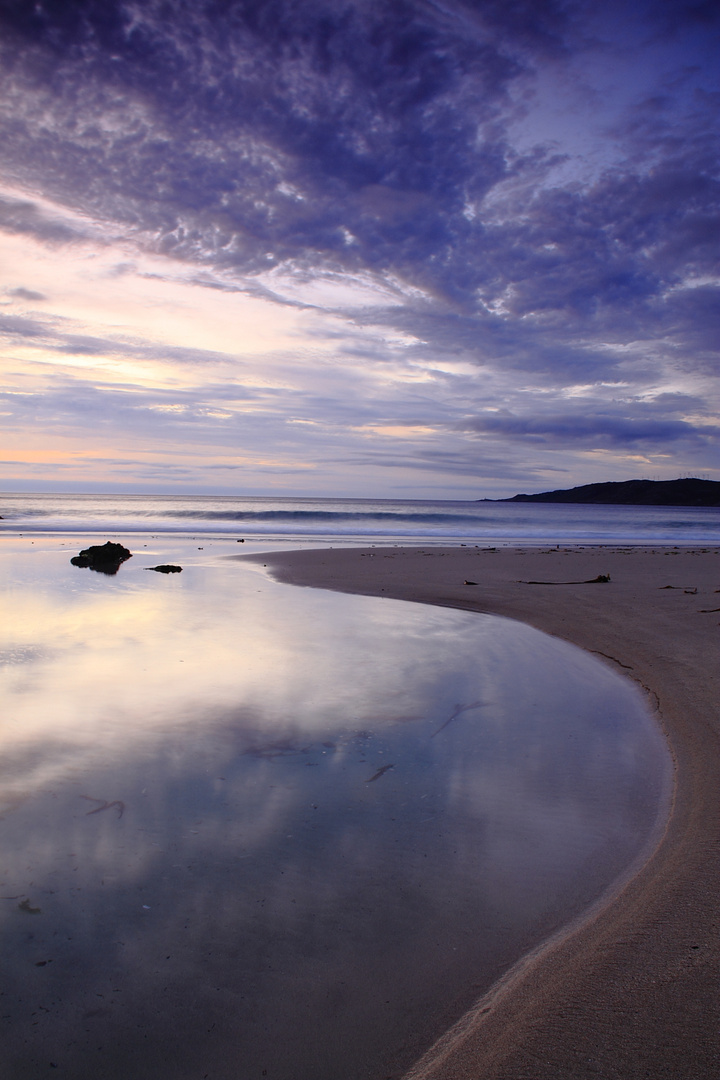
[{"x": 633, "y": 991}]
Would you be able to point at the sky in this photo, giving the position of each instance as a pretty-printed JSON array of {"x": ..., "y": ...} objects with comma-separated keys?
[{"x": 365, "y": 248}]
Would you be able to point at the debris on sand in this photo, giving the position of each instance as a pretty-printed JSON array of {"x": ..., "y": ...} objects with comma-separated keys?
[
  {"x": 28, "y": 909},
  {"x": 105, "y": 805},
  {"x": 601, "y": 579},
  {"x": 379, "y": 773}
]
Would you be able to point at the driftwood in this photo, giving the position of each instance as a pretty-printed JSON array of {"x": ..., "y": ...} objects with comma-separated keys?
[{"x": 601, "y": 579}]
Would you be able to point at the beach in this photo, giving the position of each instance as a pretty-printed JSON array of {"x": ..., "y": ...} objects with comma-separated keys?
[{"x": 631, "y": 990}]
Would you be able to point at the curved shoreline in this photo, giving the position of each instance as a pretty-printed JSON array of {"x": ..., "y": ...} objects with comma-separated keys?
[{"x": 632, "y": 990}]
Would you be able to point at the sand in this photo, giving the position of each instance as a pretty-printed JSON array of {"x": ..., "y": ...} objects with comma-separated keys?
[{"x": 632, "y": 990}]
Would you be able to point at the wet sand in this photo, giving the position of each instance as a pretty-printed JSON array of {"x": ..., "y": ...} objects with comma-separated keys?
[{"x": 634, "y": 990}]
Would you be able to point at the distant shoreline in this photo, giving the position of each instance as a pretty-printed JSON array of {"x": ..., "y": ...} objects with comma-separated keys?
[
  {"x": 635, "y": 986},
  {"x": 687, "y": 492}
]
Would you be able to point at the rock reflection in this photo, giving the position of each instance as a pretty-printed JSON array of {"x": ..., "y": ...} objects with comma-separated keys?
[{"x": 285, "y": 830}]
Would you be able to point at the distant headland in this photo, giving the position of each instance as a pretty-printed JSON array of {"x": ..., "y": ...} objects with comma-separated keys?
[{"x": 688, "y": 492}]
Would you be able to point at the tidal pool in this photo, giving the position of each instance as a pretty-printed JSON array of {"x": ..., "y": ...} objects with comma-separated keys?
[{"x": 252, "y": 830}]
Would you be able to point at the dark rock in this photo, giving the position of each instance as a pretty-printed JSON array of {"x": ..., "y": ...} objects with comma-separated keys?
[
  {"x": 165, "y": 568},
  {"x": 104, "y": 558}
]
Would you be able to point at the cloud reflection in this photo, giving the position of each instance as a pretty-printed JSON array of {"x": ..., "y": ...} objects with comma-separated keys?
[{"x": 330, "y": 805}]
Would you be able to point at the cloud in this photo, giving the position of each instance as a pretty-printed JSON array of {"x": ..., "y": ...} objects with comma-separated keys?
[
  {"x": 26, "y": 294},
  {"x": 254, "y": 138},
  {"x": 599, "y": 430},
  {"x": 25, "y": 217},
  {"x": 18, "y": 326},
  {"x": 349, "y": 136},
  {"x": 466, "y": 462},
  {"x": 483, "y": 202}
]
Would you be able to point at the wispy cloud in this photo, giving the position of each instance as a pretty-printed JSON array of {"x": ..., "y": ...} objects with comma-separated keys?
[{"x": 464, "y": 210}]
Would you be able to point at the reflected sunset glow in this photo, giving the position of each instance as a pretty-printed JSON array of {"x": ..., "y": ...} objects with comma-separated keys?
[{"x": 315, "y": 783}]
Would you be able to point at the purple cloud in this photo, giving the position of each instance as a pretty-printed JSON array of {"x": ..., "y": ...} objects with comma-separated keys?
[{"x": 356, "y": 136}]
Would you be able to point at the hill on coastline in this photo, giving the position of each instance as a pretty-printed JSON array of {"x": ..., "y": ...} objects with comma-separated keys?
[{"x": 688, "y": 492}]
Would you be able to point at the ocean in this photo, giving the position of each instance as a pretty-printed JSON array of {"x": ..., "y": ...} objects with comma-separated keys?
[{"x": 357, "y": 521}]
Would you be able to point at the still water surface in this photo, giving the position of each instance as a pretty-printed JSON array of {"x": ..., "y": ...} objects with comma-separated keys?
[{"x": 254, "y": 830}]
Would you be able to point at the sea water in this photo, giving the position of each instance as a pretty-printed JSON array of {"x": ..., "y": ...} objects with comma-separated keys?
[
  {"x": 350, "y": 521},
  {"x": 255, "y": 830}
]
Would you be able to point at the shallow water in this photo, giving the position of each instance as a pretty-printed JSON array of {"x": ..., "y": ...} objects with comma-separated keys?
[{"x": 256, "y": 830}]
